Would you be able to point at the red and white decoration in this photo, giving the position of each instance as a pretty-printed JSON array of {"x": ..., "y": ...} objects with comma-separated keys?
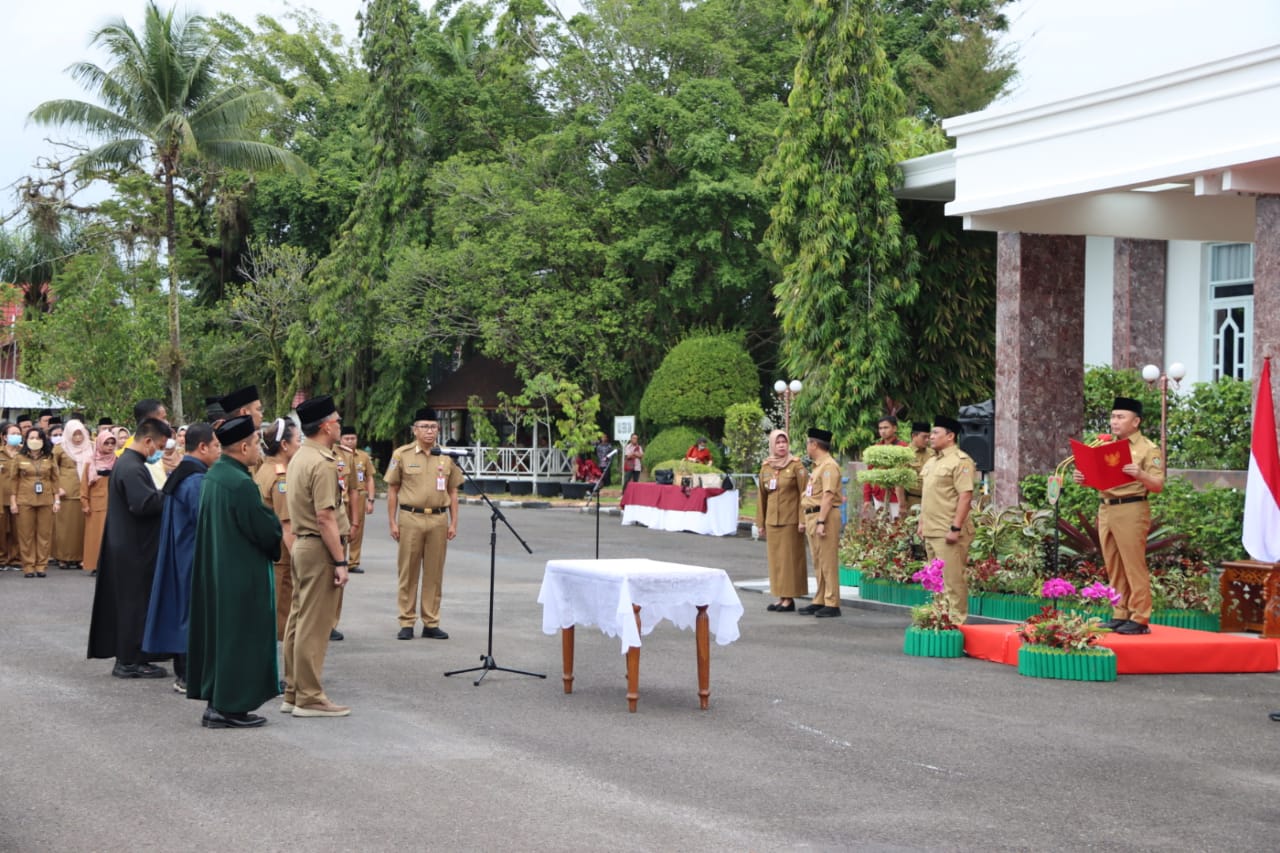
[{"x": 1262, "y": 491}]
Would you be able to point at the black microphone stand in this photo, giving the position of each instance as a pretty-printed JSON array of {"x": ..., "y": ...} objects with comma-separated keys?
[
  {"x": 604, "y": 475},
  {"x": 487, "y": 663}
]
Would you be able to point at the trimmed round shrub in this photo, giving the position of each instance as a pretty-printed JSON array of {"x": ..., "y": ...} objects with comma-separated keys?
[{"x": 698, "y": 380}]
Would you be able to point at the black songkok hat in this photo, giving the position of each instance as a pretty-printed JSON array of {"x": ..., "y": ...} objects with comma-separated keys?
[
  {"x": 1128, "y": 404},
  {"x": 235, "y": 430},
  {"x": 920, "y": 426},
  {"x": 950, "y": 424},
  {"x": 213, "y": 409},
  {"x": 820, "y": 434},
  {"x": 104, "y": 422},
  {"x": 347, "y": 429},
  {"x": 315, "y": 410},
  {"x": 426, "y": 413},
  {"x": 46, "y": 413},
  {"x": 240, "y": 397},
  {"x": 55, "y": 421},
  {"x": 22, "y": 417}
]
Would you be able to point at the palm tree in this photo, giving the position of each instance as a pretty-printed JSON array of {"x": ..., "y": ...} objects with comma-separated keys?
[{"x": 162, "y": 102}]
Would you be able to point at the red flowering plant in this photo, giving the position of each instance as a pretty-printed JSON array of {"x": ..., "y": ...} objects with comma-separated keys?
[
  {"x": 934, "y": 615},
  {"x": 1053, "y": 628},
  {"x": 879, "y": 548}
]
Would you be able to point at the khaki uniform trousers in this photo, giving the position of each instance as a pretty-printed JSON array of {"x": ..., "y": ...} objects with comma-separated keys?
[
  {"x": 68, "y": 532},
  {"x": 357, "y": 532},
  {"x": 306, "y": 637},
  {"x": 1122, "y": 531},
  {"x": 423, "y": 541},
  {"x": 12, "y": 555},
  {"x": 955, "y": 560},
  {"x": 35, "y": 537},
  {"x": 284, "y": 591},
  {"x": 825, "y": 551}
]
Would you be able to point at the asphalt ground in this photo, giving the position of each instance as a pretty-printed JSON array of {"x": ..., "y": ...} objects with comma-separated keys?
[{"x": 821, "y": 734}]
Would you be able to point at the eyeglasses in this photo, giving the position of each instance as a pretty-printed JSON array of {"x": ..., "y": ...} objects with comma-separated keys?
[{"x": 426, "y": 426}]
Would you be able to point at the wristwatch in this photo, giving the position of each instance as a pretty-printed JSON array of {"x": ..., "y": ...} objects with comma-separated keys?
[{"x": 955, "y": 529}]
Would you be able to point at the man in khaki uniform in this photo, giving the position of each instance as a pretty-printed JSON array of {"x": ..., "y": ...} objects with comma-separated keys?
[
  {"x": 360, "y": 488},
  {"x": 945, "y": 524},
  {"x": 1124, "y": 519},
  {"x": 820, "y": 505},
  {"x": 320, "y": 527},
  {"x": 920, "y": 444},
  {"x": 421, "y": 489}
]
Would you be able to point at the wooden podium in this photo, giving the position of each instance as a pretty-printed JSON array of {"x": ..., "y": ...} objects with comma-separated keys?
[{"x": 1251, "y": 597}]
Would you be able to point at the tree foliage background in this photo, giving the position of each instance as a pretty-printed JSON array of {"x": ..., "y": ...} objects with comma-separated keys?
[{"x": 574, "y": 194}]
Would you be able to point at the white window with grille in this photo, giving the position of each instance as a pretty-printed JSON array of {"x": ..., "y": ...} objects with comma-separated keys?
[{"x": 1230, "y": 312}]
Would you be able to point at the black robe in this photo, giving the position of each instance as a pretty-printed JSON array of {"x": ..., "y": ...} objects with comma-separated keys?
[{"x": 127, "y": 563}]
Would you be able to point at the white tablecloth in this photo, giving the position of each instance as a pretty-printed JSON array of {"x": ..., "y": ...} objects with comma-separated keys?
[
  {"x": 602, "y": 592},
  {"x": 720, "y": 519}
]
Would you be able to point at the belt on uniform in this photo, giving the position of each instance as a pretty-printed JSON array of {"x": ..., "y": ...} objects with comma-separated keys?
[
  {"x": 812, "y": 509},
  {"x": 342, "y": 539},
  {"x": 1129, "y": 500},
  {"x": 431, "y": 510}
]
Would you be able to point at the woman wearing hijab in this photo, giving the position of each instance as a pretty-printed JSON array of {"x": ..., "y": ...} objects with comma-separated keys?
[
  {"x": 783, "y": 480},
  {"x": 9, "y": 558},
  {"x": 93, "y": 497},
  {"x": 282, "y": 441},
  {"x": 33, "y": 499},
  {"x": 73, "y": 458}
]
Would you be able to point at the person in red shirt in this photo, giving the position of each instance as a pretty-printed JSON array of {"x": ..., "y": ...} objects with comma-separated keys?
[
  {"x": 699, "y": 452},
  {"x": 873, "y": 497}
]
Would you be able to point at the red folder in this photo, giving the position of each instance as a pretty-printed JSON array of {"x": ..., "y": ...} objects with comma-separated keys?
[{"x": 1102, "y": 465}]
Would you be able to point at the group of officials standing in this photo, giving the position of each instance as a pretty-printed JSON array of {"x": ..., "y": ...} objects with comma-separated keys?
[{"x": 796, "y": 504}]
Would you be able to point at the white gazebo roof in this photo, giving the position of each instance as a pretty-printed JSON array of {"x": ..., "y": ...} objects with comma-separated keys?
[
  {"x": 16, "y": 395},
  {"x": 1177, "y": 156}
]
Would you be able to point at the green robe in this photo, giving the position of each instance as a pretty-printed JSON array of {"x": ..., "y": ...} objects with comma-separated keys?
[{"x": 232, "y": 641}]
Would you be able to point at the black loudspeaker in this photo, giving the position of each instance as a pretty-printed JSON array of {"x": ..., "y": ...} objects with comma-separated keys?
[{"x": 978, "y": 439}]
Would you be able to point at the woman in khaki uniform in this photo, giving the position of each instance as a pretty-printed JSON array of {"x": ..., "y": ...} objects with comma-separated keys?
[
  {"x": 282, "y": 440},
  {"x": 782, "y": 483},
  {"x": 93, "y": 497},
  {"x": 73, "y": 458},
  {"x": 9, "y": 557},
  {"x": 33, "y": 499}
]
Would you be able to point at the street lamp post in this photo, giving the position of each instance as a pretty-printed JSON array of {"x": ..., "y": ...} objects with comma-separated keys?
[
  {"x": 787, "y": 390},
  {"x": 1174, "y": 373}
]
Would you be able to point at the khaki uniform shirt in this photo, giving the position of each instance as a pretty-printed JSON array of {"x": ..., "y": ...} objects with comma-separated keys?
[
  {"x": 424, "y": 480},
  {"x": 1146, "y": 455},
  {"x": 825, "y": 478},
  {"x": 271, "y": 479},
  {"x": 311, "y": 484},
  {"x": 780, "y": 492},
  {"x": 923, "y": 455},
  {"x": 945, "y": 477},
  {"x": 364, "y": 474},
  {"x": 31, "y": 476},
  {"x": 8, "y": 464},
  {"x": 68, "y": 473}
]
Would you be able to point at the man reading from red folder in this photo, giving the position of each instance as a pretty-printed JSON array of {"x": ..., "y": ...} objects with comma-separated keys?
[{"x": 1124, "y": 519}]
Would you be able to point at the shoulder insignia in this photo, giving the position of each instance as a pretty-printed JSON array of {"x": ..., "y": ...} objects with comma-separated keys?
[
  {"x": 395, "y": 460},
  {"x": 1155, "y": 460}
]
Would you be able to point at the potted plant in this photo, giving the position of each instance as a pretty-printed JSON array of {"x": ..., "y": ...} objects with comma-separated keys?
[
  {"x": 1058, "y": 644},
  {"x": 933, "y": 632}
]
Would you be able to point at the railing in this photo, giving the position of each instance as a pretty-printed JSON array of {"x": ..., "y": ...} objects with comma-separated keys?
[{"x": 518, "y": 463}]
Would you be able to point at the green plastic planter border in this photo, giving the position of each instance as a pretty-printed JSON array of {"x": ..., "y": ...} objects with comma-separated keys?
[
  {"x": 924, "y": 643},
  {"x": 850, "y": 577},
  {"x": 892, "y": 592},
  {"x": 1196, "y": 620},
  {"x": 1011, "y": 608},
  {"x": 1044, "y": 662}
]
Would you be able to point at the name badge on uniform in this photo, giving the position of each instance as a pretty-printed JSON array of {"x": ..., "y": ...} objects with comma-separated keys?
[
  {"x": 808, "y": 490},
  {"x": 281, "y": 487},
  {"x": 359, "y": 476},
  {"x": 441, "y": 484},
  {"x": 39, "y": 488},
  {"x": 773, "y": 484}
]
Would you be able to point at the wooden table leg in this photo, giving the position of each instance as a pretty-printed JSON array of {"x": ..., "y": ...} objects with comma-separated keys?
[
  {"x": 566, "y": 652},
  {"x": 633, "y": 669},
  {"x": 704, "y": 657}
]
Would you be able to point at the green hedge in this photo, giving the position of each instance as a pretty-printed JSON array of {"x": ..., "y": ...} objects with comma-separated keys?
[{"x": 698, "y": 380}]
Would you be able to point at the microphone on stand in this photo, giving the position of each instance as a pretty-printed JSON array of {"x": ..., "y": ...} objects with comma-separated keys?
[
  {"x": 612, "y": 453},
  {"x": 450, "y": 451}
]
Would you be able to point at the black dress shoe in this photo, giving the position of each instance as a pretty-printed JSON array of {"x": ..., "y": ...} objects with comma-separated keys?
[
  {"x": 150, "y": 670},
  {"x": 334, "y": 635},
  {"x": 40, "y": 574},
  {"x": 355, "y": 570},
  {"x": 125, "y": 670},
  {"x": 405, "y": 634},
  {"x": 809, "y": 610},
  {"x": 1131, "y": 628},
  {"x": 1112, "y": 624},
  {"x": 217, "y": 720},
  {"x": 1275, "y": 716},
  {"x": 434, "y": 634},
  {"x": 827, "y": 612},
  {"x": 787, "y": 608},
  {"x": 772, "y": 607}
]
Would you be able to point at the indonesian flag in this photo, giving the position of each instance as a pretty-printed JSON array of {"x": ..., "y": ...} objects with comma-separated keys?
[{"x": 1262, "y": 493}]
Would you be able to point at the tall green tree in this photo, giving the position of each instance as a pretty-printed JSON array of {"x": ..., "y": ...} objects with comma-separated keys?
[
  {"x": 848, "y": 268},
  {"x": 160, "y": 100}
]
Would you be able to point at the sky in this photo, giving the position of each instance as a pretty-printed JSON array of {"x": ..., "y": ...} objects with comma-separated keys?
[{"x": 1064, "y": 47}]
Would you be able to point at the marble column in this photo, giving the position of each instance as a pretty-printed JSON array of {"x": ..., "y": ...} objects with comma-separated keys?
[
  {"x": 1137, "y": 318},
  {"x": 1039, "y": 355},
  {"x": 1266, "y": 289}
]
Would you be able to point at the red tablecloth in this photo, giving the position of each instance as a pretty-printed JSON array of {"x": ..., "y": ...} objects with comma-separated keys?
[{"x": 667, "y": 497}]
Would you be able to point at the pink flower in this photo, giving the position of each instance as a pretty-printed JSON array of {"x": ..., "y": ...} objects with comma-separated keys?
[
  {"x": 1097, "y": 591},
  {"x": 1057, "y": 588}
]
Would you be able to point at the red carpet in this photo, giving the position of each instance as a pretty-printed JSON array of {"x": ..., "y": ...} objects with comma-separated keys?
[{"x": 1164, "y": 650}]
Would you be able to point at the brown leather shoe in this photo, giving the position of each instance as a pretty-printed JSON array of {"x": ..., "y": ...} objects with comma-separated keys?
[{"x": 321, "y": 709}]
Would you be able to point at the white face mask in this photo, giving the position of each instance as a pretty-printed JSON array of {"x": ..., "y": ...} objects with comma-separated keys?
[
  {"x": 170, "y": 444},
  {"x": 55, "y": 440}
]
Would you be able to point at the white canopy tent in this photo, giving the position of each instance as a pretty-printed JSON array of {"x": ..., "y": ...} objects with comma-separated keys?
[{"x": 15, "y": 396}]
